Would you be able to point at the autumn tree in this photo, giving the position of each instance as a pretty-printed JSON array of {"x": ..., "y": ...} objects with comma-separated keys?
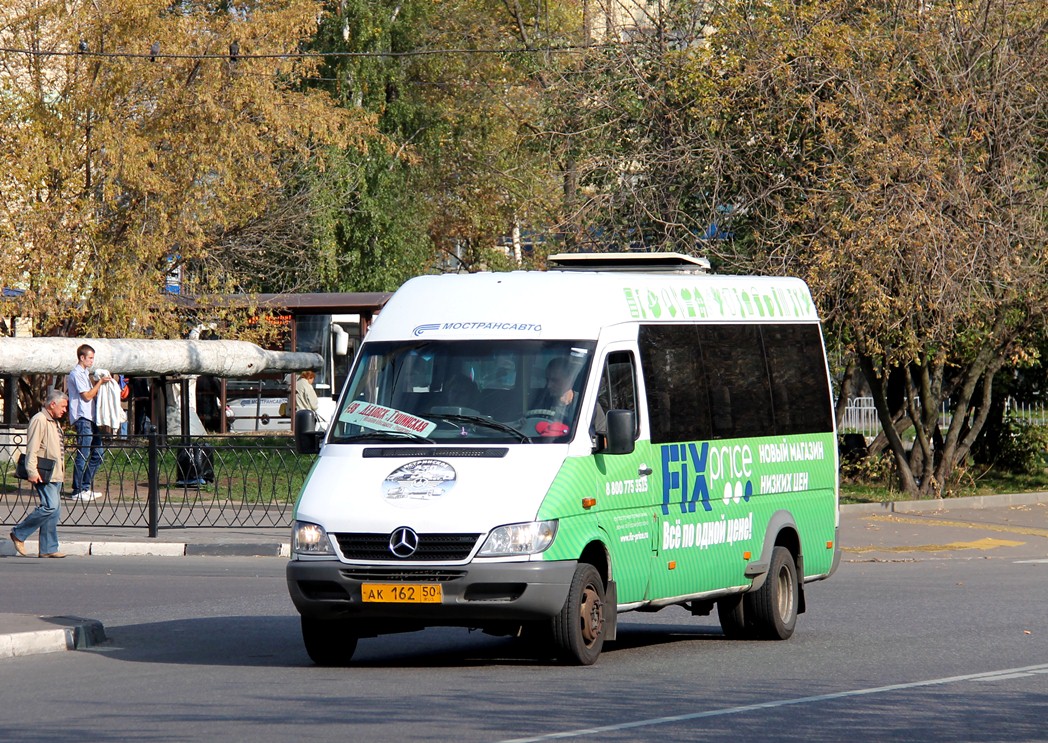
[
  {"x": 894, "y": 154},
  {"x": 146, "y": 137}
]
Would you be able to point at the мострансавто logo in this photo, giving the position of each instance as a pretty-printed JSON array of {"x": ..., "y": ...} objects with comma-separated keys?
[
  {"x": 420, "y": 329},
  {"x": 520, "y": 327}
]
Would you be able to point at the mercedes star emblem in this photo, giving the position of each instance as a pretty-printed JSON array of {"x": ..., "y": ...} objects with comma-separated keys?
[{"x": 403, "y": 542}]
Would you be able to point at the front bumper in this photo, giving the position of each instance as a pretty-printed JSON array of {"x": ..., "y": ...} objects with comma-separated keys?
[{"x": 474, "y": 595}]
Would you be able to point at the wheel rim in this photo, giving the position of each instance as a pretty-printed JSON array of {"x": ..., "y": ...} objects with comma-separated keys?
[
  {"x": 785, "y": 594},
  {"x": 591, "y": 615}
]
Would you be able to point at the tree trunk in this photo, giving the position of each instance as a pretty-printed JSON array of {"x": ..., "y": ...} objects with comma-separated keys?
[
  {"x": 879, "y": 388},
  {"x": 844, "y": 394}
]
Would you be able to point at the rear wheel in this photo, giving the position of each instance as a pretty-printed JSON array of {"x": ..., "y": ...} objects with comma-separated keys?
[
  {"x": 731, "y": 610},
  {"x": 578, "y": 630},
  {"x": 774, "y": 605},
  {"x": 329, "y": 642}
]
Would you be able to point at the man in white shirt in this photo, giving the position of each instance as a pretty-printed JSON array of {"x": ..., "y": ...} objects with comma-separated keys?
[{"x": 82, "y": 391}]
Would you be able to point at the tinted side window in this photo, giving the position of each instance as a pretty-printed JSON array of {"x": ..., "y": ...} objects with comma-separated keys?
[
  {"x": 740, "y": 396},
  {"x": 799, "y": 387},
  {"x": 618, "y": 388},
  {"x": 734, "y": 381},
  {"x": 675, "y": 383},
  {"x": 621, "y": 388}
]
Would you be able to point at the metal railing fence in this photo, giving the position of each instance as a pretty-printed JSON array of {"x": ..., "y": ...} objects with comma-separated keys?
[
  {"x": 860, "y": 416},
  {"x": 157, "y": 482}
]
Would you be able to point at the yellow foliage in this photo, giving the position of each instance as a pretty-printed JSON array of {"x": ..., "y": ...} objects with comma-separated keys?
[{"x": 120, "y": 169}]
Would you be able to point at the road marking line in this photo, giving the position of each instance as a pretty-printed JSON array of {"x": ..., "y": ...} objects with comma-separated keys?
[
  {"x": 986, "y": 543},
  {"x": 1030, "y": 562},
  {"x": 986, "y": 676},
  {"x": 1007, "y": 676},
  {"x": 1027, "y": 530}
]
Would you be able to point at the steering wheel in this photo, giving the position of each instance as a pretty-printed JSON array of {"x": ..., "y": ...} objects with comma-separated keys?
[{"x": 540, "y": 413}]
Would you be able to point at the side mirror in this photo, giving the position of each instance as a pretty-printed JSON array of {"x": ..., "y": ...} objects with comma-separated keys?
[
  {"x": 622, "y": 428},
  {"x": 307, "y": 437}
]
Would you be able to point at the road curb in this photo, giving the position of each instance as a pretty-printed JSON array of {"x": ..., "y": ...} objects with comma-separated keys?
[
  {"x": 258, "y": 549},
  {"x": 76, "y": 634},
  {"x": 138, "y": 549},
  {"x": 947, "y": 504},
  {"x": 158, "y": 549}
]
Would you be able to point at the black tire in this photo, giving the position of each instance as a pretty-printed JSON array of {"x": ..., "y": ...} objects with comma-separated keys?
[
  {"x": 772, "y": 609},
  {"x": 578, "y": 630},
  {"x": 329, "y": 642},
  {"x": 731, "y": 610}
]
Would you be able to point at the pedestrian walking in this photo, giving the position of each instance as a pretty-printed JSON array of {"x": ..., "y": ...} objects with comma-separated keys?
[
  {"x": 82, "y": 391},
  {"x": 44, "y": 441}
]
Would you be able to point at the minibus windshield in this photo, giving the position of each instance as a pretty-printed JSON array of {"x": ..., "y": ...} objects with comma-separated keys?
[{"x": 490, "y": 391}]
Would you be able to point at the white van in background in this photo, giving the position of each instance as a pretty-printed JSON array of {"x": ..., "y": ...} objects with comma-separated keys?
[{"x": 533, "y": 453}]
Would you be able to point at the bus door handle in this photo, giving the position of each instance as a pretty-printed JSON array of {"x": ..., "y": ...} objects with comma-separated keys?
[{"x": 644, "y": 470}]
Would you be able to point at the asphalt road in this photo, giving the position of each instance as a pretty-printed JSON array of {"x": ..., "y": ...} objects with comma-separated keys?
[{"x": 942, "y": 646}]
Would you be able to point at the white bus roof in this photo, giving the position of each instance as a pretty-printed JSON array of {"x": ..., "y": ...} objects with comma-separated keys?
[{"x": 576, "y": 305}]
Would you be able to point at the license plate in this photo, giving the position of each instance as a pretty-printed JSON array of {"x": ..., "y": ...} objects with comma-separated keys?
[{"x": 402, "y": 593}]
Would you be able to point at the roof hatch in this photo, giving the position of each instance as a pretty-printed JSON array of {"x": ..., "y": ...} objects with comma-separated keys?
[{"x": 629, "y": 262}]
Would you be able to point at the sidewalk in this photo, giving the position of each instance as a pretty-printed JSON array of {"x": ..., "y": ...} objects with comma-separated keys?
[
  {"x": 1009, "y": 526},
  {"x": 83, "y": 541}
]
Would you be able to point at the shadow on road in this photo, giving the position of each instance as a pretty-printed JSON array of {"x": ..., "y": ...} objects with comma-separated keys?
[{"x": 275, "y": 641}]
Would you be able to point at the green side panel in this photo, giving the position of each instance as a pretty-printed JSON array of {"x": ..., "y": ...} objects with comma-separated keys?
[
  {"x": 623, "y": 519},
  {"x": 701, "y": 516}
]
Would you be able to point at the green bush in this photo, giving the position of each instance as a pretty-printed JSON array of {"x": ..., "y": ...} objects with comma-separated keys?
[
  {"x": 1017, "y": 446},
  {"x": 875, "y": 469}
]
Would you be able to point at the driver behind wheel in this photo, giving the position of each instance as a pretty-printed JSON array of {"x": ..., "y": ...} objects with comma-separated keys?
[{"x": 557, "y": 397}]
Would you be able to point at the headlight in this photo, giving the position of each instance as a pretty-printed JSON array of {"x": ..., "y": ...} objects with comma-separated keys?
[
  {"x": 310, "y": 539},
  {"x": 519, "y": 539}
]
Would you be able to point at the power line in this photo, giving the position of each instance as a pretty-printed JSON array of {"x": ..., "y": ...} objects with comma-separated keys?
[{"x": 152, "y": 55}]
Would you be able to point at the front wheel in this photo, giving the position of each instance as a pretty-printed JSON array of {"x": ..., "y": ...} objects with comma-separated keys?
[
  {"x": 578, "y": 630},
  {"x": 329, "y": 642}
]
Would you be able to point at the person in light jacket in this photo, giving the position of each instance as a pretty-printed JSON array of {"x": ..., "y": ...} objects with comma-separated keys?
[
  {"x": 305, "y": 394},
  {"x": 44, "y": 439}
]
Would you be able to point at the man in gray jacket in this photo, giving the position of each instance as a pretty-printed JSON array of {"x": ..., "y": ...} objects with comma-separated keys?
[{"x": 44, "y": 439}]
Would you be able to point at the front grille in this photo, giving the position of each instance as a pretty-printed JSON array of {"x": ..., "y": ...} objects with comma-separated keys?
[
  {"x": 396, "y": 575},
  {"x": 431, "y": 547}
]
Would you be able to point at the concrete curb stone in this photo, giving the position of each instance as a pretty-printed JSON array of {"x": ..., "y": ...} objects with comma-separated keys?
[
  {"x": 22, "y": 635},
  {"x": 257, "y": 549},
  {"x": 947, "y": 504}
]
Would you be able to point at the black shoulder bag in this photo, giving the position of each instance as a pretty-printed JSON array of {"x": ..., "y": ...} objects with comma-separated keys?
[{"x": 44, "y": 466}]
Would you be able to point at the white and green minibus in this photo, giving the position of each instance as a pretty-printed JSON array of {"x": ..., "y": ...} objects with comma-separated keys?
[{"x": 534, "y": 453}]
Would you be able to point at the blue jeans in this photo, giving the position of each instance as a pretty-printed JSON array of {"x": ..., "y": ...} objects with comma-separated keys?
[
  {"x": 45, "y": 518},
  {"x": 88, "y": 454}
]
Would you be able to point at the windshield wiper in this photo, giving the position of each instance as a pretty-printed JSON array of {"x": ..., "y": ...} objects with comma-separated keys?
[
  {"x": 386, "y": 436},
  {"x": 489, "y": 422}
]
